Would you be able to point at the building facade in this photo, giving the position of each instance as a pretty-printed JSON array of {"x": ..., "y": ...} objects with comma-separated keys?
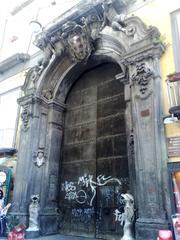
[{"x": 92, "y": 121}]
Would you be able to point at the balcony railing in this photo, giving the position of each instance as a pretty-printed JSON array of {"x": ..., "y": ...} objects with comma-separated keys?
[{"x": 173, "y": 85}]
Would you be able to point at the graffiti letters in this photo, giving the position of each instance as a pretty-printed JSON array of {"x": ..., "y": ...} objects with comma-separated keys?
[
  {"x": 86, "y": 180},
  {"x": 70, "y": 190},
  {"x": 78, "y": 192},
  {"x": 82, "y": 216},
  {"x": 118, "y": 216},
  {"x": 72, "y": 193},
  {"x": 68, "y": 186},
  {"x": 84, "y": 212}
]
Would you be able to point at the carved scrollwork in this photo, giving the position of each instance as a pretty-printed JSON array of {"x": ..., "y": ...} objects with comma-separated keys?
[
  {"x": 142, "y": 77},
  {"x": 74, "y": 38},
  {"x": 31, "y": 79},
  {"x": 25, "y": 116}
]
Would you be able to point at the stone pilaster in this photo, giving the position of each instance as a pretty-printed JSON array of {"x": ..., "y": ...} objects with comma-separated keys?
[
  {"x": 149, "y": 142},
  {"x": 41, "y": 132},
  {"x": 27, "y": 174},
  {"x": 50, "y": 188}
]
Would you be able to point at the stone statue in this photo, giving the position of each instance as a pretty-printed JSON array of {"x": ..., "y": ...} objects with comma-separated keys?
[
  {"x": 118, "y": 23},
  {"x": 34, "y": 214},
  {"x": 128, "y": 217}
]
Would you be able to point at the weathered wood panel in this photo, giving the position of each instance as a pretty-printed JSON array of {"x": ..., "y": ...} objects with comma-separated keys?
[{"x": 94, "y": 152}]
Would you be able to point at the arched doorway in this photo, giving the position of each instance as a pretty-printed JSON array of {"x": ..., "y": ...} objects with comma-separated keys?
[
  {"x": 94, "y": 169},
  {"x": 45, "y": 92}
]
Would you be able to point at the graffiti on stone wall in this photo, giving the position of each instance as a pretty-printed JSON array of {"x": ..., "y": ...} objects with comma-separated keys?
[
  {"x": 84, "y": 190},
  {"x": 83, "y": 213},
  {"x": 118, "y": 216},
  {"x": 72, "y": 193},
  {"x": 78, "y": 192}
]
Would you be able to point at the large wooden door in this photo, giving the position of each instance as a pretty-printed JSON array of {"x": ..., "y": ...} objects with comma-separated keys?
[{"x": 94, "y": 169}]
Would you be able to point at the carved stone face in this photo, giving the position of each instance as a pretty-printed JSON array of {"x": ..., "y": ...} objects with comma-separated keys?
[
  {"x": 40, "y": 159},
  {"x": 40, "y": 155},
  {"x": 79, "y": 44}
]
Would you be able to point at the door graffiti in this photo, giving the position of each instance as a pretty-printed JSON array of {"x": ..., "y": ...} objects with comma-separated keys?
[
  {"x": 86, "y": 181},
  {"x": 94, "y": 165}
]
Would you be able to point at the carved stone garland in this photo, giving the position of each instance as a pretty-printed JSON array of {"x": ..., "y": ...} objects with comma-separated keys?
[
  {"x": 141, "y": 78},
  {"x": 25, "y": 116}
]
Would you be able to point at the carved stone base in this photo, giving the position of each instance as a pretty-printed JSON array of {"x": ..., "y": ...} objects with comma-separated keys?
[
  {"x": 20, "y": 217},
  {"x": 147, "y": 229},
  {"x": 32, "y": 234},
  {"x": 49, "y": 224}
]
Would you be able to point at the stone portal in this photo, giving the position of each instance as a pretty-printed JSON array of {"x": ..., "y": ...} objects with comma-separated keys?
[{"x": 91, "y": 39}]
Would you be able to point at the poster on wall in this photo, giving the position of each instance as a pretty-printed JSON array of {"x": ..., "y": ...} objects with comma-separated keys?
[{"x": 176, "y": 225}]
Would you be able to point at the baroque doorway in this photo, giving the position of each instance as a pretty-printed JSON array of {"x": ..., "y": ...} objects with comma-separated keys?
[
  {"x": 94, "y": 168},
  {"x": 94, "y": 154}
]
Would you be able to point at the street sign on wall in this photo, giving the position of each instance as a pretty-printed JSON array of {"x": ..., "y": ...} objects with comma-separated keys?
[{"x": 173, "y": 146}]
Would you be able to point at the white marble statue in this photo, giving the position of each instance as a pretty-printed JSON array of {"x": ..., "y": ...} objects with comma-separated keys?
[
  {"x": 34, "y": 214},
  {"x": 128, "y": 217}
]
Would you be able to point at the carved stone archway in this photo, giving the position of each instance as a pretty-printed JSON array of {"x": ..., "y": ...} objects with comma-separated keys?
[{"x": 97, "y": 34}]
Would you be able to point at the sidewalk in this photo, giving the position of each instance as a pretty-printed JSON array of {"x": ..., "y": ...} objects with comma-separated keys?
[
  {"x": 61, "y": 237},
  {"x": 58, "y": 237}
]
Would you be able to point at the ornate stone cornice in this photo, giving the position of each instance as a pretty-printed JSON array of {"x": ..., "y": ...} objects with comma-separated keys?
[
  {"x": 73, "y": 34},
  {"x": 148, "y": 52},
  {"x": 87, "y": 28},
  {"x": 33, "y": 99},
  {"x": 13, "y": 61}
]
